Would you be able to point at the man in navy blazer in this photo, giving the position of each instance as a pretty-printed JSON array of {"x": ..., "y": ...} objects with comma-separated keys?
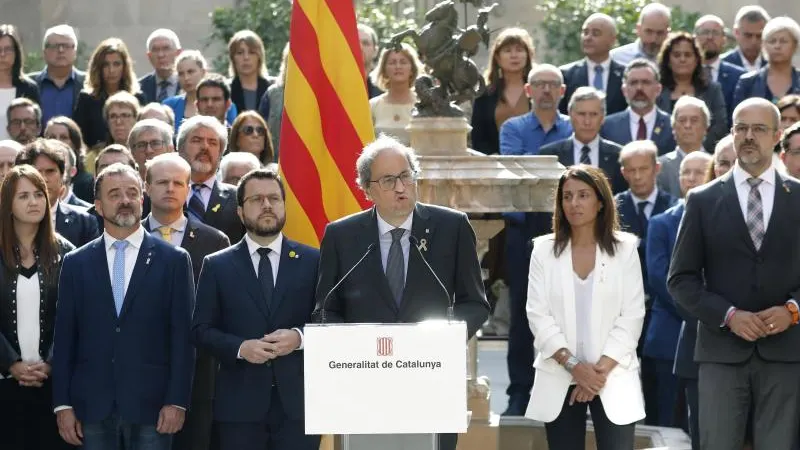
[
  {"x": 709, "y": 33},
  {"x": 252, "y": 301},
  {"x": 748, "y": 25},
  {"x": 163, "y": 47},
  {"x": 60, "y": 82},
  {"x": 123, "y": 358},
  {"x": 642, "y": 119}
]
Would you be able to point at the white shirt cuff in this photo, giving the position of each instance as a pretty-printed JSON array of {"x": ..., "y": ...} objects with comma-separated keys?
[
  {"x": 61, "y": 408},
  {"x": 300, "y": 332}
]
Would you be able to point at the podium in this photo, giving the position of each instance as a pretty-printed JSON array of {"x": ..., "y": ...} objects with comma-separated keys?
[{"x": 386, "y": 386}]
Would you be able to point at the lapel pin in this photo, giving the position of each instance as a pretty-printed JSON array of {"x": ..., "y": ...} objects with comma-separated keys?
[
  {"x": 66, "y": 220},
  {"x": 191, "y": 234},
  {"x": 149, "y": 254},
  {"x": 293, "y": 254},
  {"x": 427, "y": 230},
  {"x": 216, "y": 207},
  {"x": 786, "y": 187},
  {"x": 657, "y": 130},
  {"x": 423, "y": 244}
]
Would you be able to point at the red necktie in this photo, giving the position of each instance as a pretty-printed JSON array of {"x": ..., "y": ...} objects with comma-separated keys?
[{"x": 641, "y": 134}]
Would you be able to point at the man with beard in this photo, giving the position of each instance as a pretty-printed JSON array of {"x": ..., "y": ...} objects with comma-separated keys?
[
  {"x": 709, "y": 32},
  {"x": 642, "y": 120},
  {"x": 24, "y": 120},
  {"x": 526, "y": 135},
  {"x": 213, "y": 97},
  {"x": 123, "y": 359},
  {"x": 652, "y": 29},
  {"x": 735, "y": 267},
  {"x": 167, "y": 185},
  {"x": 252, "y": 301},
  {"x": 201, "y": 141}
]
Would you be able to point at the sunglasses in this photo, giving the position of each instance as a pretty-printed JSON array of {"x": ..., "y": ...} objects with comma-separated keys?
[{"x": 249, "y": 130}]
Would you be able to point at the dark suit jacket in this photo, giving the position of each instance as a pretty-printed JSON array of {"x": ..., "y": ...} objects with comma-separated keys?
[
  {"x": 231, "y": 309},
  {"x": 149, "y": 88},
  {"x": 485, "y": 136},
  {"x": 221, "y": 212},
  {"x": 576, "y": 74},
  {"x": 733, "y": 57},
  {"x": 365, "y": 295},
  {"x": 754, "y": 84},
  {"x": 88, "y": 114},
  {"x": 616, "y": 128},
  {"x": 728, "y": 78},
  {"x": 27, "y": 88},
  {"x": 661, "y": 336},
  {"x": 237, "y": 93},
  {"x": 609, "y": 160},
  {"x": 715, "y": 266},
  {"x": 77, "y": 85},
  {"x": 715, "y": 101},
  {"x": 9, "y": 340},
  {"x": 75, "y": 224},
  {"x": 73, "y": 200},
  {"x": 133, "y": 364},
  {"x": 199, "y": 240}
]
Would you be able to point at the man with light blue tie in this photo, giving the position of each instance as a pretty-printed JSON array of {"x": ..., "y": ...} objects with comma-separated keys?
[
  {"x": 596, "y": 69},
  {"x": 123, "y": 360},
  {"x": 201, "y": 142}
]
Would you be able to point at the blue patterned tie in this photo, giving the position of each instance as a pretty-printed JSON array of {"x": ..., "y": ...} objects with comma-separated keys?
[
  {"x": 118, "y": 274},
  {"x": 196, "y": 207},
  {"x": 598, "y": 78}
]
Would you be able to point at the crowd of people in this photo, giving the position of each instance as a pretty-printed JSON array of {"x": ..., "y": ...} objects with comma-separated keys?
[{"x": 151, "y": 301}]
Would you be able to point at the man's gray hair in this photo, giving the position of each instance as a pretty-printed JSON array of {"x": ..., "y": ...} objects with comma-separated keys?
[
  {"x": 605, "y": 18},
  {"x": 542, "y": 68},
  {"x": 193, "y": 123},
  {"x": 657, "y": 9},
  {"x": 758, "y": 101},
  {"x": 238, "y": 158},
  {"x": 11, "y": 144},
  {"x": 115, "y": 169},
  {"x": 688, "y": 100},
  {"x": 643, "y": 148},
  {"x": 375, "y": 148},
  {"x": 723, "y": 143},
  {"x": 166, "y": 158},
  {"x": 701, "y": 155},
  {"x": 142, "y": 126},
  {"x": 750, "y": 13},
  {"x": 62, "y": 30},
  {"x": 639, "y": 63},
  {"x": 585, "y": 93},
  {"x": 165, "y": 33}
]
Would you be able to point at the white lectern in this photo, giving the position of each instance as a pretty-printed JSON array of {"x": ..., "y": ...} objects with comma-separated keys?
[{"x": 386, "y": 386}]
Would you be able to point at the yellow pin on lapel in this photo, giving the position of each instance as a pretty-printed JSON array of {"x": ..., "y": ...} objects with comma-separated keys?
[
  {"x": 216, "y": 208},
  {"x": 292, "y": 254},
  {"x": 657, "y": 130}
]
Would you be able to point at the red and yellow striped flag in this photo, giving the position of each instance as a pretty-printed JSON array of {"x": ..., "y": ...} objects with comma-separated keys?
[{"x": 326, "y": 118}]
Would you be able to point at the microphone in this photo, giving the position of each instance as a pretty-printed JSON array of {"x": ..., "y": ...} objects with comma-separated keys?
[
  {"x": 341, "y": 280},
  {"x": 450, "y": 300}
]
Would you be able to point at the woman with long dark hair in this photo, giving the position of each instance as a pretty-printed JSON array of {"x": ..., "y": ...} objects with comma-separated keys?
[
  {"x": 30, "y": 263},
  {"x": 13, "y": 83},
  {"x": 586, "y": 310}
]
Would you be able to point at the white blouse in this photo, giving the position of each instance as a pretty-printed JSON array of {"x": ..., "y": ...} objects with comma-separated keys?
[
  {"x": 28, "y": 329},
  {"x": 583, "y": 315},
  {"x": 6, "y": 95}
]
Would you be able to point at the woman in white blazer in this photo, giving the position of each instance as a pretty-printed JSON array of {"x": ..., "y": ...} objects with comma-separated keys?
[{"x": 585, "y": 308}]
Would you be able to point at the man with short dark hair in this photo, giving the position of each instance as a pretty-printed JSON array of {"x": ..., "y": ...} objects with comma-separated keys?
[
  {"x": 24, "y": 120},
  {"x": 213, "y": 97},
  {"x": 747, "y": 28},
  {"x": 790, "y": 150},
  {"x": 253, "y": 300},
  {"x": 709, "y": 33}
]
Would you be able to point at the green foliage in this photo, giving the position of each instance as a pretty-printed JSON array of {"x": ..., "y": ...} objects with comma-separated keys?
[
  {"x": 563, "y": 19},
  {"x": 270, "y": 19}
]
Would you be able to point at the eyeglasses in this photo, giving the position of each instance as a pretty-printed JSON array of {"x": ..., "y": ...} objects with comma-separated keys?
[
  {"x": 260, "y": 199},
  {"x": 541, "y": 84},
  {"x": 20, "y": 122},
  {"x": 155, "y": 144},
  {"x": 60, "y": 46},
  {"x": 706, "y": 32},
  {"x": 9, "y": 49},
  {"x": 249, "y": 130},
  {"x": 121, "y": 116},
  {"x": 759, "y": 130},
  {"x": 388, "y": 182}
]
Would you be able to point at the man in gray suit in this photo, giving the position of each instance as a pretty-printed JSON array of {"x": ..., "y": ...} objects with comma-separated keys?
[
  {"x": 690, "y": 119},
  {"x": 736, "y": 268},
  {"x": 167, "y": 185}
]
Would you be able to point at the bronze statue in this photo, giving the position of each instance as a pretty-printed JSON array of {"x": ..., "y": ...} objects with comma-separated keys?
[{"x": 446, "y": 50}]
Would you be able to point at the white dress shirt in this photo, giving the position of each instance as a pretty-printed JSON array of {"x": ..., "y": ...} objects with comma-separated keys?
[
  {"x": 747, "y": 66},
  {"x": 178, "y": 229},
  {"x": 28, "y": 326},
  {"x": 714, "y": 69},
  {"x": 606, "y": 65},
  {"x": 385, "y": 239},
  {"x": 594, "y": 150},
  {"x": 131, "y": 253},
  {"x": 205, "y": 193},
  {"x": 766, "y": 189},
  {"x": 583, "y": 315},
  {"x": 649, "y": 122},
  {"x": 651, "y": 202}
]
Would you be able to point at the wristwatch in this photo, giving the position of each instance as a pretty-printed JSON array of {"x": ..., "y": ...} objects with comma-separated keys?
[
  {"x": 571, "y": 363},
  {"x": 792, "y": 307}
]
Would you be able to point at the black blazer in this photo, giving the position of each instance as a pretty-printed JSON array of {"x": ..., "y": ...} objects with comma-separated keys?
[
  {"x": 576, "y": 74},
  {"x": 754, "y": 84},
  {"x": 149, "y": 88},
  {"x": 715, "y": 266},
  {"x": 27, "y": 88},
  {"x": 448, "y": 243},
  {"x": 76, "y": 225},
  {"x": 88, "y": 115},
  {"x": 9, "y": 341},
  {"x": 609, "y": 159},
  {"x": 485, "y": 135},
  {"x": 237, "y": 92},
  {"x": 199, "y": 240},
  {"x": 221, "y": 212}
]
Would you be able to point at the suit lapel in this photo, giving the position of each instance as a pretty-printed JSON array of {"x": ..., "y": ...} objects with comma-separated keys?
[
  {"x": 567, "y": 153},
  {"x": 614, "y": 86},
  {"x": 215, "y": 202},
  {"x": 146, "y": 255},
  {"x": 608, "y": 160},
  {"x": 659, "y": 127},
  {"x": 189, "y": 235},
  {"x": 244, "y": 268},
  {"x": 568, "y": 289},
  {"x": 626, "y": 126},
  {"x": 598, "y": 284},
  {"x": 286, "y": 269},
  {"x": 629, "y": 210},
  {"x": 373, "y": 264},
  {"x": 422, "y": 228},
  {"x": 780, "y": 207},
  {"x": 99, "y": 265},
  {"x": 583, "y": 74},
  {"x": 731, "y": 201}
]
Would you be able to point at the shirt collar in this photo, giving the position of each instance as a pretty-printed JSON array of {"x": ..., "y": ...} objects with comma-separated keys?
[
  {"x": 756, "y": 64},
  {"x": 178, "y": 225},
  {"x": 384, "y": 226},
  {"x": 715, "y": 65},
  {"x": 46, "y": 74},
  {"x": 209, "y": 183},
  {"x": 605, "y": 64},
  {"x": 172, "y": 79},
  {"x": 560, "y": 118},
  {"x": 253, "y": 246},
  {"x": 134, "y": 240},
  {"x": 647, "y": 117},
  {"x": 651, "y": 199},
  {"x": 594, "y": 144},
  {"x": 54, "y": 211},
  {"x": 740, "y": 176}
]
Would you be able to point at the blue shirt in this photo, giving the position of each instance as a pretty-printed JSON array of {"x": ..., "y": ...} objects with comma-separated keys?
[
  {"x": 56, "y": 101},
  {"x": 524, "y": 135}
]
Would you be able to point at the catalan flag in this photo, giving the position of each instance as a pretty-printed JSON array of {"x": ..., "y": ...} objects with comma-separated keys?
[{"x": 326, "y": 118}]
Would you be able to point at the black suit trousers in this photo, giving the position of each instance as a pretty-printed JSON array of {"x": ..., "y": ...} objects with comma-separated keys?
[
  {"x": 568, "y": 431},
  {"x": 27, "y": 421}
]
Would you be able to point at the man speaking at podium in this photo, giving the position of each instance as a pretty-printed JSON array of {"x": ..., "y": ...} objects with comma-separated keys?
[{"x": 393, "y": 263}]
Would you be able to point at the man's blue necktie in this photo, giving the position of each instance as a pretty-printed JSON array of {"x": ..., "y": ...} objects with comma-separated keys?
[
  {"x": 598, "y": 78},
  {"x": 196, "y": 207},
  {"x": 118, "y": 274}
]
